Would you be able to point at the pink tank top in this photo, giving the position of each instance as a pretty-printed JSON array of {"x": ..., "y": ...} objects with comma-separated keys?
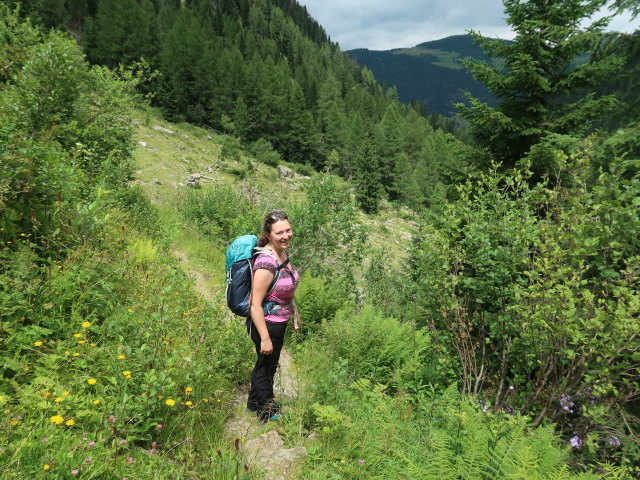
[{"x": 284, "y": 289}]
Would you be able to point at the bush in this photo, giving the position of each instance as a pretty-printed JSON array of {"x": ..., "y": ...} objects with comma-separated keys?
[
  {"x": 319, "y": 298},
  {"x": 535, "y": 289}
]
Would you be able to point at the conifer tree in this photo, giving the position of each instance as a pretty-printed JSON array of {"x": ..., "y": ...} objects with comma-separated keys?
[
  {"x": 388, "y": 141},
  {"x": 121, "y": 32},
  {"x": 300, "y": 137},
  {"x": 187, "y": 64},
  {"x": 543, "y": 95},
  {"x": 241, "y": 120},
  {"x": 405, "y": 186},
  {"x": 367, "y": 175}
]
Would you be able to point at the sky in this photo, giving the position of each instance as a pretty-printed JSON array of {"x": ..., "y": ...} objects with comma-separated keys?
[{"x": 384, "y": 24}]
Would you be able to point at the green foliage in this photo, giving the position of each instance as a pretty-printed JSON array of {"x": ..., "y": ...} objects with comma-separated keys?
[
  {"x": 541, "y": 91},
  {"x": 105, "y": 352},
  {"x": 326, "y": 227},
  {"x": 319, "y": 299},
  {"x": 221, "y": 211},
  {"x": 367, "y": 432},
  {"x": 367, "y": 174},
  {"x": 536, "y": 292}
]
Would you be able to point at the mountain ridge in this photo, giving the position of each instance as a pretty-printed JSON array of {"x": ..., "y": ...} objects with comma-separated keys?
[{"x": 430, "y": 72}]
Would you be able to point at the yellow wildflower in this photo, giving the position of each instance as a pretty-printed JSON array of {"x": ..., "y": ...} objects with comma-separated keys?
[
  {"x": 96, "y": 402},
  {"x": 59, "y": 399},
  {"x": 126, "y": 372},
  {"x": 188, "y": 404},
  {"x": 121, "y": 357},
  {"x": 81, "y": 342},
  {"x": 77, "y": 335},
  {"x": 92, "y": 344},
  {"x": 205, "y": 400},
  {"x": 129, "y": 310},
  {"x": 76, "y": 354},
  {"x": 69, "y": 422},
  {"x": 86, "y": 324},
  {"x": 57, "y": 419},
  {"x": 128, "y": 377},
  {"x": 188, "y": 390},
  {"x": 170, "y": 402},
  {"x": 92, "y": 381},
  {"x": 47, "y": 394},
  {"x": 38, "y": 343},
  {"x": 14, "y": 423},
  {"x": 46, "y": 467},
  {"x": 66, "y": 393}
]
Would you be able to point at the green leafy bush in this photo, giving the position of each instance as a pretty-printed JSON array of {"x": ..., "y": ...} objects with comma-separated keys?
[
  {"x": 535, "y": 289},
  {"x": 319, "y": 298}
]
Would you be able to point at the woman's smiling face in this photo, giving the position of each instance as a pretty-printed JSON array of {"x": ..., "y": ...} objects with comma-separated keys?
[{"x": 281, "y": 234}]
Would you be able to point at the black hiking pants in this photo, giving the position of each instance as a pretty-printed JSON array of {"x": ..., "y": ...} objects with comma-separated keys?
[{"x": 261, "y": 396}]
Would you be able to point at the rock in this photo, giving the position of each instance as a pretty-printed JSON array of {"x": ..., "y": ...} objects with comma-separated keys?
[
  {"x": 193, "y": 180},
  {"x": 285, "y": 172},
  {"x": 267, "y": 442},
  {"x": 142, "y": 144},
  {"x": 157, "y": 182},
  {"x": 162, "y": 129},
  {"x": 185, "y": 136},
  {"x": 209, "y": 137},
  {"x": 266, "y": 453}
]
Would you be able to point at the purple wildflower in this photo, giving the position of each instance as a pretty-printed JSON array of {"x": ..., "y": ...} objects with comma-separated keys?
[
  {"x": 92, "y": 443},
  {"x": 360, "y": 462},
  {"x": 88, "y": 459},
  {"x": 614, "y": 441},
  {"x": 566, "y": 403},
  {"x": 74, "y": 472},
  {"x": 45, "y": 440},
  {"x": 123, "y": 442},
  {"x": 159, "y": 426},
  {"x": 575, "y": 441},
  {"x": 129, "y": 460}
]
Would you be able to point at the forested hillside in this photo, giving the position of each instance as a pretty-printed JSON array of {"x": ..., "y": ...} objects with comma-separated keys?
[
  {"x": 272, "y": 78},
  {"x": 471, "y": 310},
  {"x": 431, "y": 72}
]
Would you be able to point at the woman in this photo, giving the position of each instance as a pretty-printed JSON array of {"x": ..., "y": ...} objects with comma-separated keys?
[{"x": 271, "y": 309}]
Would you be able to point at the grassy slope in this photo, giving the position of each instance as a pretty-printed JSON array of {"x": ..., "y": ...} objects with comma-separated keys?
[{"x": 165, "y": 162}]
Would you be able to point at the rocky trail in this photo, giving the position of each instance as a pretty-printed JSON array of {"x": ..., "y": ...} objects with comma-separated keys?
[{"x": 261, "y": 445}]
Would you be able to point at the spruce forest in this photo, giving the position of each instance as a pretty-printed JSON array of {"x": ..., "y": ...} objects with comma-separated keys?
[{"x": 469, "y": 285}]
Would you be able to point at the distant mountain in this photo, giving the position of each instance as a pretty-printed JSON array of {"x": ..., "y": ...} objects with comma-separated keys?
[{"x": 430, "y": 72}]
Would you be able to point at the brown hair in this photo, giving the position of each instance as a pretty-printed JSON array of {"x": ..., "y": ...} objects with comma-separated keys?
[{"x": 269, "y": 220}]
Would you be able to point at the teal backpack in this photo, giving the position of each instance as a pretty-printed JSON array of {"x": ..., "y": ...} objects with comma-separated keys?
[{"x": 239, "y": 267}]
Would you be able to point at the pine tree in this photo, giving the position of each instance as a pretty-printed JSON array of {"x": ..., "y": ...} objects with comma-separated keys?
[
  {"x": 543, "y": 95},
  {"x": 405, "y": 186},
  {"x": 241, "y": 120},
  {"x": 367, "y": 175},
  {"x": 388, "y": 142},
  {"x": 122, "y": 31},
  {"x": 300, "y": 139}
]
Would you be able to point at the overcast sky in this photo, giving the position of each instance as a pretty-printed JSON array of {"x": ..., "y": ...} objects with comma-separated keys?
[{"x": 385, "y": 24}]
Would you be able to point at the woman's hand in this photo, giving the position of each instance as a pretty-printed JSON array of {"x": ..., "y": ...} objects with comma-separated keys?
[{"x": 266, "y": 347}]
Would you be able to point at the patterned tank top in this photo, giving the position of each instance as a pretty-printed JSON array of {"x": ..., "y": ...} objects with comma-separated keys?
[{"x": 284, "y": 289}]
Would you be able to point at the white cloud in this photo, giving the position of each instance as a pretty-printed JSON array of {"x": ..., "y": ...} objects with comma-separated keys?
[{"x": 382, "y": 25}]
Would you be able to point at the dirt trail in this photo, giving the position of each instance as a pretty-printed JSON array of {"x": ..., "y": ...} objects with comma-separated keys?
[{"x": 261, "y": 444}]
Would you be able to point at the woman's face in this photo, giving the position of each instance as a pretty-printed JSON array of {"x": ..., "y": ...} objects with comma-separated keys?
[{"x": 281, "y": 234}]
